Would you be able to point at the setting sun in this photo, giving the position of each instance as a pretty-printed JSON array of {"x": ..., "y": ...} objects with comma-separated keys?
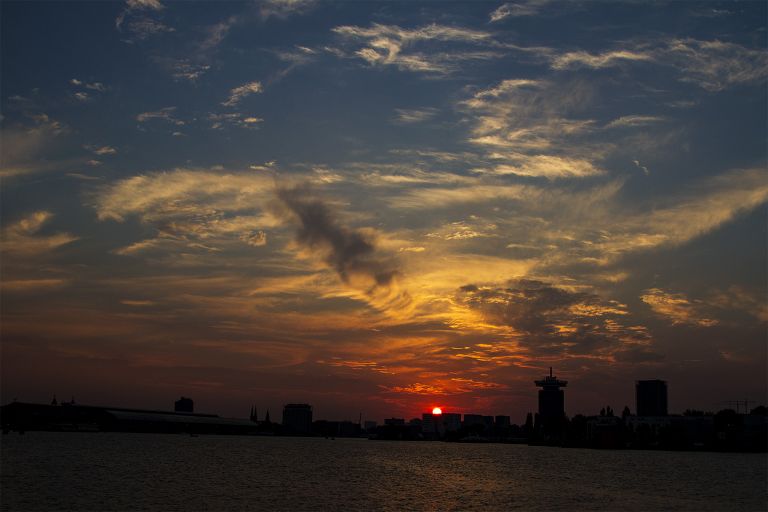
[{"x": 437, "y": 410}]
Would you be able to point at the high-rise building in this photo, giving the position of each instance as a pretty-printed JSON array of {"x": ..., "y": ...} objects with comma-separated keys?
[
  {"x": 551, "y": 398},
  {"x": 451, "y": 421},
  {"x": 651, "y": 397},
  {"x": 472, "y": 420},
  {"x": 430, "y": 424},
  {"x": 297, "y": 418}
]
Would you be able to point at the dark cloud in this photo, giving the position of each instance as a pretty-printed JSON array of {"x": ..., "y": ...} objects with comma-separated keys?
[
  {"x": 639, "y": 355},
  {"x": 349, "y": 252},
  {"x": 549, "y": 320}
]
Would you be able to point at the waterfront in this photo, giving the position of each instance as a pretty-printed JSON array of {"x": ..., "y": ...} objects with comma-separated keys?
[{"x": 116, "y": 471}]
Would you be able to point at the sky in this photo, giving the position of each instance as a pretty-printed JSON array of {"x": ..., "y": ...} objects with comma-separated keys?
[{"x": 381, "y": 207}]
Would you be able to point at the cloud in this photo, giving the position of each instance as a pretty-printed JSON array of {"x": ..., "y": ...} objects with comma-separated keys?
[
  {"x": 568, "y": 224},
  {"x": 238, "y": 93},
  {"x": 716, "y": 65},
  {"x": 101, "y": 150},
  {"x": 199, "y": 210},
  {"x": 677, "y": 307},
  {"x": 81, "y": 176},
  {"x": 547, "y": 320},
  {"x": 154, "y": 5},
  {"x": 182, "y": 192},
  {"x": 517, "y": 9},
  {"x": 523, "y": 127},
  {"x": 546, "y": 166},
  {"x": 164, "y": 114},
  {"x": 712, "y": 65},
  {"x": 633, "y": 121},
  {"x": 32, "y": 285},
  {"x": 219, "y": 121},
  {"x": 136, "y": 20},
  {"x": 740, "y": 298},
  {"x": 464, "y": 230},
  {"x": 351, "y": 253},
  {"x": 27, "y": 148},
  {"x": 639, "y": 166},
  {"x": 142, "y": 28},
  {"x": 93, "y": 86},
  {"x": 284, "y": 8},
  {"x": 254, "y": 238},
  {"x": 183, "y": 69},
  {"x": 392, "y": 45},
  {"x": 22, "y": 237},
  {"x": 707, "y": 206},
  {"x": 582, "y": 59},
  {"x": 217, "y": 32},
  {"x": 411, "y": 116}
]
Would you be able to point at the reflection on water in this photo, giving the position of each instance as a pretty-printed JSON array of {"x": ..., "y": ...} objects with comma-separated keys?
[{"x": 113, "y": 471}]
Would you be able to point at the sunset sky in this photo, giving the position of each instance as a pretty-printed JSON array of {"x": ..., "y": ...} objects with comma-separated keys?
[{"x": 379, "y": 208}]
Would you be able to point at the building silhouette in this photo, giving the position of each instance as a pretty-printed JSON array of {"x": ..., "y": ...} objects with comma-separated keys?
[
  {"x": 550, "y": 420},
  {"x": 503, "y": 422},
  {"x": 451, "y": 421},
  {"x": 297, "y": 418},
  {"x": 184, "y": 404},
  {"x": 651, "y": 397}
]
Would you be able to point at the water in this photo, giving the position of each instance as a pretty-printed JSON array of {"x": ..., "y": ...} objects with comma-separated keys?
[{"x": 114, "y": 471}]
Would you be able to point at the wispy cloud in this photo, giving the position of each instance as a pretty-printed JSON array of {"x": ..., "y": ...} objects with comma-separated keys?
[
  {"x": 549, "y": 320},
  {"x": 411, "y": 116},
  {"x": 94, "y": 86},
  {"x": 155, "y": 5},
  {"x": 677, "y": 308},
  {"x": 164, "y": 114},
  {"x": 101, "y": 150},
  {"x": 634, "y": 121},
  {"x": 32, "y": 285},
  {"x": 521, "y": 126},
  {"x": 219, "y": 121},
  {"x": 163, "y": 195},
  {"x": 25, "y": 145},
  {"x": 517, "y": 9},
  {"x": 716, "y": 65},
  {"x": 239, "y": 93},
  {"x": 392, "y": 45},
  {"x": 195, "y": 209},
  {"x": 284, "y": 8},
  {"x": 23, "y": 236},
  {"x": 137, "y": 21},
  {"x": 545, "y": 166},
  {"x": 713, "y": 65},
  {"x": 184, "y": 68},
  {"x": 579, "y": 59}
]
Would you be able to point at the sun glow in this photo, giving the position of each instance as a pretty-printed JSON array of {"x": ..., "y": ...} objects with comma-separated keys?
[{"x": 437, "y": 411}]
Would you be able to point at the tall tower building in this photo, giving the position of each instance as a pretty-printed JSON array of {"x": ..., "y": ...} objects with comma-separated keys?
[
  {"x": 551, "y": 398},
  {"x": 651, "y": 397}
]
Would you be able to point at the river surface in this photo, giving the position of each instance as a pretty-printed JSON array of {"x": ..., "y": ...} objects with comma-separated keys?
[{"x": 116, "y": 471}]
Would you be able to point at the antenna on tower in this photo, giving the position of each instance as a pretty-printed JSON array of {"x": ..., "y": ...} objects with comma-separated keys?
[{"x": 550, "y": 371}]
